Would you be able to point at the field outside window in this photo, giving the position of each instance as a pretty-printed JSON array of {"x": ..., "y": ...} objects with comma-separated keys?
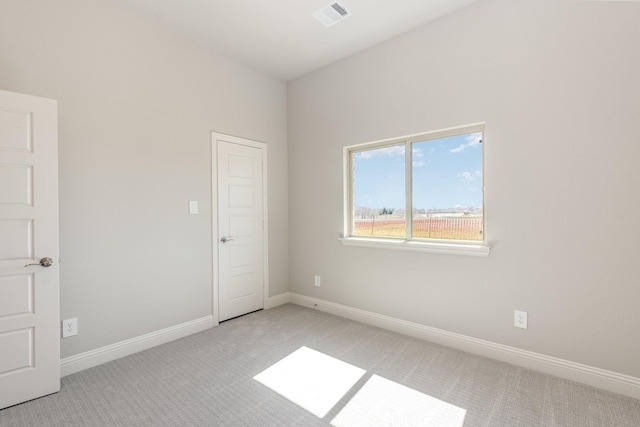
[{"x": 435, "y": 177}]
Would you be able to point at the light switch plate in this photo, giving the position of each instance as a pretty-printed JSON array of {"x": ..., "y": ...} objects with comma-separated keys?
[{"x": 193, "y": 207}]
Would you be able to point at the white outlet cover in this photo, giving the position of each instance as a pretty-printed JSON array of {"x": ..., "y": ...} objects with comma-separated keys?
[
  {"x": 520, "y": 319},
  {"x": 70, "y": 327}
]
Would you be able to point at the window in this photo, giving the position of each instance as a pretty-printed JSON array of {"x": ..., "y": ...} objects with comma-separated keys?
[{"x": 420, "y": 192}]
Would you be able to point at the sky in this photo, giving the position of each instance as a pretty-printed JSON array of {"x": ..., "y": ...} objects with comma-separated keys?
[{"x": 447, "y": 173}]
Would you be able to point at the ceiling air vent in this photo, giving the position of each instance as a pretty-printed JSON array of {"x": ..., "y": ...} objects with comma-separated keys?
[{"x": 331, "y": 14}]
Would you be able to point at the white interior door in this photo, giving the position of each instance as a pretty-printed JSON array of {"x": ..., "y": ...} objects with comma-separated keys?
[
  {"x": 29, "y": 295},
  {"x": 240, "y": 238}
]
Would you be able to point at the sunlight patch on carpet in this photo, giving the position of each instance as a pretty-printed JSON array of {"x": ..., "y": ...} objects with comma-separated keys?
[
  {"x": 381, "y": 402},
  {"x": 311, "y": 379}
]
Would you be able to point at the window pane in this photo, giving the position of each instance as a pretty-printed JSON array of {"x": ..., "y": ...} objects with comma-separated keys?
[
  {"x": 447, "y": 188},
  {"x": 379, "y": 192}
]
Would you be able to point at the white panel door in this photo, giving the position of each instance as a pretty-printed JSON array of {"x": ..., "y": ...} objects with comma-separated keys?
[
  {"x": 240, "y": 230},
  {"x": 29, "y": 294}
]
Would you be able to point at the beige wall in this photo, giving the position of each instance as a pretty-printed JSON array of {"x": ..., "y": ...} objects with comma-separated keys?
[
  {"x": 558, "y": 85},
  {"x": 137, "y": 104},
  {"x": 556, "y": 82}
]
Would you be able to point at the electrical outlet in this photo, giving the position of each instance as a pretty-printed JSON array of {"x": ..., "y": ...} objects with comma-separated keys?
[
  {"x": 520, "y": 319},
  {"x": 69, "y": 327},
  {"x": 317, "y": 281}
]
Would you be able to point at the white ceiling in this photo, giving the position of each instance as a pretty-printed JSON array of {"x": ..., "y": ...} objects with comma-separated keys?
[{"x": 280, "y": 37}]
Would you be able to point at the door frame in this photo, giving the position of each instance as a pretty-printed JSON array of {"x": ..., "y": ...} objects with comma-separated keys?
[{"x": 215, "y": 138}]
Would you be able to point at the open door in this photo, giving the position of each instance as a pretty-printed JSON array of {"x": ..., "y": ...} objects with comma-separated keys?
[{"x": 29, "y": 275}]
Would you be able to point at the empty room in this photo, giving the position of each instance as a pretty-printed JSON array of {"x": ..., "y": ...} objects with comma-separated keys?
[{"x": 301, "y": 213}]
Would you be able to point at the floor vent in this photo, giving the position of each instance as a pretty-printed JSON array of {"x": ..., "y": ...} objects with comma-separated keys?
[{"x": 332, "y": 14}]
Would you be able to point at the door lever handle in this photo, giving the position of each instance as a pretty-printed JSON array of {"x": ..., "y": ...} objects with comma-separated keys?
[
  {"x": 226, "y": 239},
  {"x": 44, "y": 262}
]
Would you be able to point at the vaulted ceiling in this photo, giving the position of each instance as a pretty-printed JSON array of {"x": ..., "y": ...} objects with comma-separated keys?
[{"x": 281, "y": 37}]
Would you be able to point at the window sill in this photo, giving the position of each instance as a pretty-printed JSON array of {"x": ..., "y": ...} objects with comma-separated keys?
[{"x": 480, "y": 250}]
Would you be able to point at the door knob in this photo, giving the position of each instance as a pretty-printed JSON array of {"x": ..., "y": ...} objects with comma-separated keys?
[
  {"x": 226, "y": 239},
  {"x": 44, "y": 262}
]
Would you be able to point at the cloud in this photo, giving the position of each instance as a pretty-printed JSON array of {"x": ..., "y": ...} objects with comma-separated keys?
[
  {"x": 394, "y": 150},
  {"x": 470, "y": 176},
  {"x": 416, "y": 154},
  {"x": 473, "y": 140}
]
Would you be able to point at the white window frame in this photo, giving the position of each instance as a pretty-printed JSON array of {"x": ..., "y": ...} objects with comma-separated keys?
[{"x": 456, "y": 247}]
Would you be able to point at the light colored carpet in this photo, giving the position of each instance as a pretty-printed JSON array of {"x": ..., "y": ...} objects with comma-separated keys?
[{"x": 207, "y": 379}]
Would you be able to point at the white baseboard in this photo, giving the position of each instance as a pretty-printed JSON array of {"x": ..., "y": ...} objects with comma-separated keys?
[
  {"x": 601, "y": 378},
  {"x": 79, "y": 362},
  {"x": 277, "y": 300}
]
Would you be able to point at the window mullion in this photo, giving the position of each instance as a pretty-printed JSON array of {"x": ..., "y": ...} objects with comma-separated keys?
[{"x": 408, "y": 191}]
